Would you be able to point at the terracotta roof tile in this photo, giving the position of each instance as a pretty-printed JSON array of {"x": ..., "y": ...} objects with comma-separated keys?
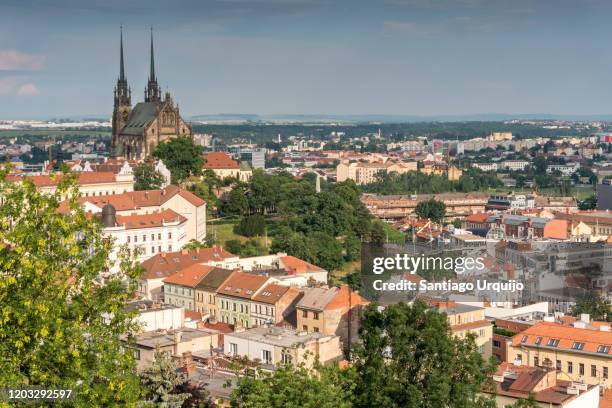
[
  {"x": 167, "y": 263},
  {"x": 220, "y": 160},
  {"x": 242, "y": 285},
  {"x": 566, "y": 336},
  {"x": 297, "y": 266},
  {"x": 189, "y": 276},
  {"x": 153, "y": 220}
]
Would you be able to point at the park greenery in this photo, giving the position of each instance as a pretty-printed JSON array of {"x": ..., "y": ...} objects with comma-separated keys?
[
  {"x": 182, "y": 157},
  {"x": 431, "y": 209}
]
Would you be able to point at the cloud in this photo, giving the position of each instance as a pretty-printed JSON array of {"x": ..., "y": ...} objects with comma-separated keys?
[
  {"x": 13, "y": 60},
  {"x": 28, "y": 89},
  {"x": 17, "y": 85}
]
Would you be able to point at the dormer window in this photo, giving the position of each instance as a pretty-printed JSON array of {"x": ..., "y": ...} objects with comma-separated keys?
[
  {"x": 538, "y": 340},
  {"x": 577, "y": 345},
  {"x": 524, "y": 339},
  {"x": 553, "y": 342},
  {"x": 603, "y": 349}
]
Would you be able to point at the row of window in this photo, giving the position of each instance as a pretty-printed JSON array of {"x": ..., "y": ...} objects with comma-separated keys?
[
  {"x": 315, "y": 315},
  {"x": 144, "y": 237},
  {"x": 314, "y": 329},
  {"x": 577, "y": 345},
  {"x": 243, "y": 308},
  {"x": 570, "y": 367}
]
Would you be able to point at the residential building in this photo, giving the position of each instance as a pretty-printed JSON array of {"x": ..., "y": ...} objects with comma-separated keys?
[
  {"x": 154, "y": 316},
  {"x": 277, "y": 345},
  {"x": 90, "y": 183},
  {"x": 273, "y": 304},
  {"x": 366, "y": 172},
  {"x": 146, "y": 233},
  {"x": 516, "y": 383},
  {"x": 164, "y": 264},
  {"x": 171, "y": 197},
  {"x": 176, "y": 342},
  {"x": 180, "y": 288},
  {"x": 225, "y": 167},
  {"x": 333, "y": 311},
  {"x": 465, "y": 319},
  {"x": 206, "y": 291},
  {"x": 515, "y": 165},
  {"x": 234, "y": 297},
  {"x": 582, "y": 352},
  {"x": 485, "y": 166}
]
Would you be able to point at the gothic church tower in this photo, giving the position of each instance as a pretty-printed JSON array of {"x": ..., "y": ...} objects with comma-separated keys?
[{"x": 123, "y": 98}]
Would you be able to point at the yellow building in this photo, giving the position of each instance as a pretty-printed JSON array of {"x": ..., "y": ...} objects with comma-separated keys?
[
  {"x": 581, "y": 354},
  {"x": 365, "y": 173}
]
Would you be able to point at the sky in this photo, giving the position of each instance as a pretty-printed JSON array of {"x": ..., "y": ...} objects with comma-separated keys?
[{"x": 60, "y": 58}]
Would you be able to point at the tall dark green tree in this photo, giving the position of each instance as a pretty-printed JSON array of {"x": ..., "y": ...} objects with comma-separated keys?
[
  {"x": 162, "y": 382},
  {"x": 182, "y": 157},
  {"x": 408, "y": 357}
]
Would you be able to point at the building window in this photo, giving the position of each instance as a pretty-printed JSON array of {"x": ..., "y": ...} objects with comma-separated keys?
[
  {"x": 578, "y": 346},
  {"x": 315, "y": 329},
  {"x": 305, "y": 328},
  {"x": 536, "y": 361},
  {"x": 538, "y": 340},
  {"x": 581, "y": 369},
  {"x": 135, "y": 238},
  {"x": 605, "y": 372},
  {"x": 233, "y": 349},
  {"x": 152, "y": 237},
  {"x": 286, "y": 358},
  {"x": 559, "y": 365},
  {"x": 315, "y": 315},
  {"x": 496, "y": 344},
  {"x": 144, "y": 238},
  {"x": 524, "y": 339},
  {"x": 603, "y": 349},
  {"x": 304, "y": 313},
  {"x": 266, "y": 356},
  {"x": 169, "y": 235},
  {"x": 129, "y": 239},
  {"x": 593, "y": 371},
  {"x": 553, "y": 342},
  {"x": 137, "y": 354},
  {"x": 159, "y": 236},
  {"x": 570, "y": 367}
]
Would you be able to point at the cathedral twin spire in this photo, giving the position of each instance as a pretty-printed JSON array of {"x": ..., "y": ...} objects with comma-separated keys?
[{"x": 123, "y": 93}]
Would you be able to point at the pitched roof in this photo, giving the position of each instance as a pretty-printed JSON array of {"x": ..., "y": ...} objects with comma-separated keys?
[
  {"x": 477, "y": 218},
  {"x": 330, "y": 298},
  {"x": 190, "y": 276},
  {"x": 166, "y": 263},
  {"x": 141, "y": 115},
  {"x": 153, "y": 220},
  {"x": 139, "y": 199},
  {"x": 214, "y": 279},
  {"x": 566, "y": 335},
  {"x": 242, "y": 285},
  {"x": 87, "y": 177},
  {"x": 296, "y": 266},
  {"x": 271, "y": 293},
  {"x": 220, "y": 160},
  {"x": 556, "y": 229}
]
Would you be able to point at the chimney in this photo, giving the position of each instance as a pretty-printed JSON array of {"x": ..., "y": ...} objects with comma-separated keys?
[
  {"x": 177, "y": 336},
  {"x": 189, "y": 366}
]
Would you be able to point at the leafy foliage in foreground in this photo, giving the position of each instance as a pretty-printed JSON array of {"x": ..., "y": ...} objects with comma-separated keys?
[{"x": 59, "y": 328}]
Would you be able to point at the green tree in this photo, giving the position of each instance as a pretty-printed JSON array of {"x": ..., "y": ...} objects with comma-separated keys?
[
  {"x": 294, "y": 387},
  {"x": 596, "y": 306},
  {"x": 327, "y": 250},
  {"x": 431, "y": 209},
  {"x": 251, "y": 225},
  {"x": 530, "y": 402},
  {"x": 352, "y": 247},
  {"x": 182, "y": 157},
  {"x": 162, "y": 381},
  {"x": 237, "y": 202},
  {"x": 408, "y": 357},
  {"x": 147, "y": 178},
  {"x": 60, "y": 327},
  {"x": 539, "y": 164},
  {"x": 589, "y": 203}
]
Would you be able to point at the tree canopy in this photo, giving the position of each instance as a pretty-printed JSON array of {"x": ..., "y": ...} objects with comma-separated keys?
[
  {"x": 60, "y": 326},
  {"x": 147, "y": 178},
  {"x": 431, "y": 209},
  {"x": 182, "y": 157}
]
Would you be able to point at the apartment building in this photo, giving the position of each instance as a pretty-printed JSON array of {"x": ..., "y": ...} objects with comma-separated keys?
[
  {"x": 515, "y": 165},
  {"x": 365, "y": 172},
  {"x": 171, "y": 197},
  {"x": 582, "y": 352},
  {"x": 146, "y": 233},
  {"x": 206, "y": 291},
  {"x": 331, "y": 311},
  {"x": 234, "y": 297},
  {"x": 180, "y": 288},
  {"x": 277, "y": 345},
  {"x": 164, "y": 264},
  {"x": 485, "y": 166},
  {"x": 465, "y": 319},
  {"x": 273, "y": 304}
]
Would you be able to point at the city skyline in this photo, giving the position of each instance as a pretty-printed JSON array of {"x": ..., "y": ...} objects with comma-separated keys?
[{"x": 306, "y": 57}]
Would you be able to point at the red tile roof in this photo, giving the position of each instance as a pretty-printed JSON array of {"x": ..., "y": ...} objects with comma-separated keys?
[
  {"x": 167, "y": 263},
  {"x": 189, "y": 276},
  {"x": 88, "y": 177},
  {"x": 271, "y": 293},
  {"x": 153, "y": 220},
  {"x": 296, "y": 266},
  {"x": 242, "y": 285},
  {"x": 220, "y": 160},
  {"x": 566, "y": 335},
  {"x": 477, "y": 218}
]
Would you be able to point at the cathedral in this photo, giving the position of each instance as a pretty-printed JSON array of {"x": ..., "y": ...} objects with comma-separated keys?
[{"x": 138, "y": 130}]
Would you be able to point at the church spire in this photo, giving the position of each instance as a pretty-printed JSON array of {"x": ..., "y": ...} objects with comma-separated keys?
[
  {"x": 152, "y": 93},
  {"x": 122, "y": 90},
  {"x": 121, "y": 68}
]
